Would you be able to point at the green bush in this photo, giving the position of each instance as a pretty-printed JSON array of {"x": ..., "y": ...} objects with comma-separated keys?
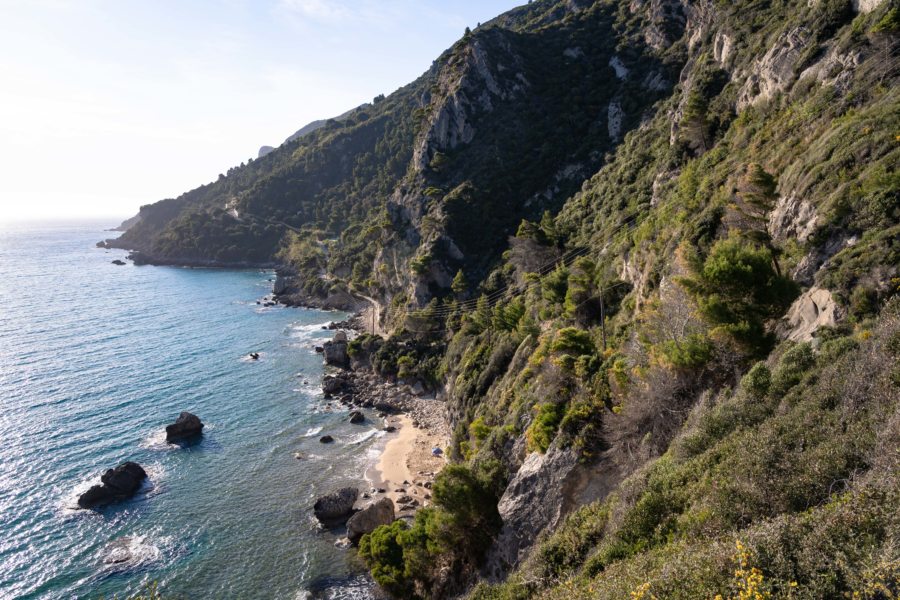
[
  {"x": 738, "y": 289},
  {"x": 543, "y": 429},
  {"x": 692, "y": 352},
  {"x": 757, "y": 381},
  {"x": 791, "y": 368},
  {"x": 382, "y": 550}
]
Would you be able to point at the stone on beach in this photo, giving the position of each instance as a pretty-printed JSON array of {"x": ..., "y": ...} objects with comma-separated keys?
[{"x": 370, "y": 518}]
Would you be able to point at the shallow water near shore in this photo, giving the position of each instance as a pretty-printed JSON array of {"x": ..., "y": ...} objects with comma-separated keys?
[{"x": 95, "y": 359}]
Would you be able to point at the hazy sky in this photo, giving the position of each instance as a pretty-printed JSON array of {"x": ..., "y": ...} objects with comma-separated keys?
[{"x": 108, "y": 105}]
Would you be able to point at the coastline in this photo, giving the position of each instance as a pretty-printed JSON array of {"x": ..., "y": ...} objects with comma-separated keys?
[
  {"x": 406, "y": 467},
  {"x": 415, "y": 424}
]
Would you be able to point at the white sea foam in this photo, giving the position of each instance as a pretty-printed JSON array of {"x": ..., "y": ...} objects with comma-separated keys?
[
  {"x": 157, "y": 441},
  {"x": 130, "y": 552},
  {"x": 312, "y": 431},
  {"x": 367, "y": 435}
]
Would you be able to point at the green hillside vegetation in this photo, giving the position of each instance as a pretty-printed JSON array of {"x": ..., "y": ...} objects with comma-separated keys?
[{"x": 621, "y": 300}]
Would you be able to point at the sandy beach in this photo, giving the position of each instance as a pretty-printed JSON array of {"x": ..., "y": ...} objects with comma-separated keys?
[{"x": 406, "y": 466}]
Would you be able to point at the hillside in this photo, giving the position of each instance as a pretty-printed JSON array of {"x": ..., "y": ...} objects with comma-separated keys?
[{"x": 647, "y": 252}]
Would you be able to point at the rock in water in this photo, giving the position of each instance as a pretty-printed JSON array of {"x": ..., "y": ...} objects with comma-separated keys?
[
  {"x": 356, "y": 416},
  {"x": 370, "y": 518},
  {"x": 336, "y": 350},
  {"x": 336, "y": 507},
  {"x": 120, "y": 483},
  {"x": 187, "y": 425},
  {"x": 118, "y": 262},
  {"x": 326, "y": 439}
]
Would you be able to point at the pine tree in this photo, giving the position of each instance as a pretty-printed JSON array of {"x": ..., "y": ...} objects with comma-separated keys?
[
  {"x": 695, "y": 126},
  {"x": 459, "y": 286},
  {"x": 755, "y": 200}
]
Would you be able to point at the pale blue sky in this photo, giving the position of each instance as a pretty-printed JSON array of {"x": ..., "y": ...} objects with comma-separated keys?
[{"x": 107, "y": 105}]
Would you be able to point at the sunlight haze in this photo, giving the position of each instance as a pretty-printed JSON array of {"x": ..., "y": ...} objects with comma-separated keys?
[{"x": 106, "y": 106}]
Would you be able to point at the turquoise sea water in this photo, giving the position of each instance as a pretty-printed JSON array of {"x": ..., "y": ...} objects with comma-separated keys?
[{"x": 95, "y": 359}]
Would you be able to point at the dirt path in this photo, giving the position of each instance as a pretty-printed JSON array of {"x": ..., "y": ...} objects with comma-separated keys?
[{"x": 371, "y": 316}]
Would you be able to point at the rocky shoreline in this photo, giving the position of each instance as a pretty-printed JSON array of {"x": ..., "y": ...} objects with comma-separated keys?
[{"x": 416, "y": 421}]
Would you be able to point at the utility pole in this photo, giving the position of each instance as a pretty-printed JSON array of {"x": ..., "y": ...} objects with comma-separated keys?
[{"x": 602, "y": 320}]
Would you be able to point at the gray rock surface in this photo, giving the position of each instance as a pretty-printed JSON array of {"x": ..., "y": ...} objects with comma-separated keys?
[
  {"x": 792, "y": 217},
  {"x": 336, "y": 350},
  {"x": 813, "y": 309},
  {"x": 336, "y": 507},
  {"x": 543, "y": 491},
  {"x": 775, "y": 71},
  {"x": 370, "y": 518}
]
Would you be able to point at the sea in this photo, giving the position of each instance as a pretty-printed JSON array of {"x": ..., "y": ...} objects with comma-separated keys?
[{"x": 95, "y": 360}]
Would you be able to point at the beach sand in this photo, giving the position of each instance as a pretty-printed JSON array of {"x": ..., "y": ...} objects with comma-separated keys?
[{"x": 407, "y": 458}]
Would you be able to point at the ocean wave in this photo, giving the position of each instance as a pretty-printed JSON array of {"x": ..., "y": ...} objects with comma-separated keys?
[
  {"x": 312, "y": 431},
  {"x": 367, "y": 435}
]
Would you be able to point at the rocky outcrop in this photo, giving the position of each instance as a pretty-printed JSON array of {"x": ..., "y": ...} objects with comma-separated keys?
[
  {"x": 835, "y": 69},
  {"x": 792, "y": 218},
  {"x": 774, "y": 72},
  {"x": 818, "y": 258},
  {"x": 370, "y": 518},
  {"x": 336, "y": 351},
  {"x": 187, "y": 425},
  {"x": 281, "y": 284},
  {"x": 814, "y": 309},
  {"x": 614, "y": 115},
  {"x": 333, "y": 384},
  {"x": 666, "y": 21},
  {"x": 263, "y": 150},
  {"x": 473, "y": 85},
  {"x": 543, "y": 491},
  {"x": 866, "y": 6},
  {"x": 117, "y": 484},
  {"x": 335, "y": 508}
]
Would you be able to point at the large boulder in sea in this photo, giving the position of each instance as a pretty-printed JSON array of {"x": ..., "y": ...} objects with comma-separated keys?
[
  {"x": 335, "y": 508},
  {"x": 187, "y": 425},
  {"x": 336, "y": 350},
  {"x": 370, "y": 518},
  {"x": 120, "y": 483}
]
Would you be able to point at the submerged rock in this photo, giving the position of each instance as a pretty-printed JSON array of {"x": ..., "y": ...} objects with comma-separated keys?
[
  {"x": 370, "y": 518},
  {"x": 118, "y": 262},
  {"x": 187, "y": 425},
  {"x": 336, "y": 507},
  {"x": 117, "y": 484}
]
